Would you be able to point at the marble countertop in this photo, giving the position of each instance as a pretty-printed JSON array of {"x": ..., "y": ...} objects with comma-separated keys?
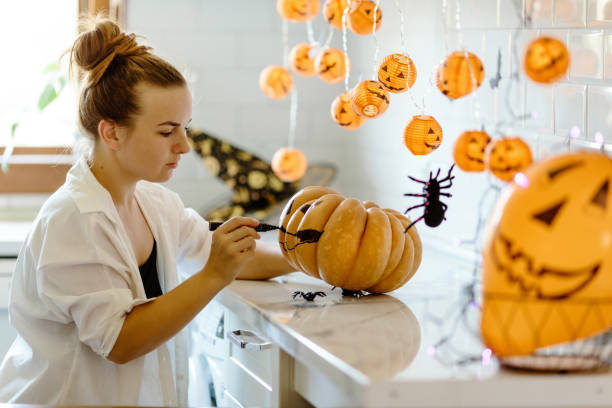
[{"x": 417, "y": 346}]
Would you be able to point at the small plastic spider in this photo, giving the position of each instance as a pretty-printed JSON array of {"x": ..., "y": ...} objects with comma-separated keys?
[
  {"x": 434, "y": 208},
  {"x": 309, "y": 296}
]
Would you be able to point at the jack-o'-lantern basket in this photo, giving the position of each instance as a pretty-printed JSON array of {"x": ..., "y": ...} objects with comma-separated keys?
[{"x": 347, "y": 243}]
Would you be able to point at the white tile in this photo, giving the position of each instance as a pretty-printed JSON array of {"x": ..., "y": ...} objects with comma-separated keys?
[
  {"x": 599, "y": 13},
  {"x": 586, "y": 55},
  {"x": 607, "y": 69},
  {"x": 540, "y": 12},
  {"x": 570, "y": 13},
  {"x": 599, "y": 116},
  {"x": 569, "y": 110},
  {"x": 539, "y": 107},
  {"x": 509, "y": 14}
]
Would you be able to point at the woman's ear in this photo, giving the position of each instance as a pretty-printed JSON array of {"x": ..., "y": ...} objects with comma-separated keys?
[{"x": 109, "y": 134}]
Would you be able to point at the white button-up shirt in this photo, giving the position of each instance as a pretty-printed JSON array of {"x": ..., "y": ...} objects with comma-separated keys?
[{"x": 75, "y": 280}]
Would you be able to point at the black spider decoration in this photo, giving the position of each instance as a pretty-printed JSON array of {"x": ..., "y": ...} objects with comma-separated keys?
[
  {"x": 434, "y": 208},
  {"x": 309, "y": 296}
]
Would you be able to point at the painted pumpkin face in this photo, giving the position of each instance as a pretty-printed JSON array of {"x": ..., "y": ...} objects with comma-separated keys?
[
  {"x": 422, "y": 135},
  {"x": 506, "y": 157},
  {"x": 289, "y": 164},
  {"x": 547, "y": 259},
  {"x": 370, "y": 99},
  {"x": 330, "y": 65},
  {"x": 298, "y": 10},
  {"x": 546, "y": 60},
  {"x": 300, "y": 61},
  {"x": 469, "y": 150},
  {"x": 343, "y": 114},
  {"x": 333, "y": 11},
  {"x": 361, "y": 16},
  {"x": 460, "y": 74},
  {"x": 397, "y": 73},
  {"x": 275, "y": 82}
]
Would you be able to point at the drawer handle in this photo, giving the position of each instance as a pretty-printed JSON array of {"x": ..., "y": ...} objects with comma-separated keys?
[{"x": 248, "y": 340}]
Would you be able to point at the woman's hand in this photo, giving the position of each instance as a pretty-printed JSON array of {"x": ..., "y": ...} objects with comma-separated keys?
[{"x": 233, "y": 246}]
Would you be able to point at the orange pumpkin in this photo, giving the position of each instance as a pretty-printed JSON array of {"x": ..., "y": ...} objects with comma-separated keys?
[
  {"x": 506, "y": 157},
  {"x": 298, "y": 10},
  {"x": 422, "y": 134},
  {"x": 546, "y": 60},
  {"x": 300, "y": 61},
  {"x": 333, "y": 10},
  {"x": 347, "y": 243},
  {"x": 361, "y": 16},
  {"x": 469, "y": 150},
  {"x": 330, "y": 65},
  {"x": 275, "y": 82},
  {"x": 460, "y": 74},
  {"x": 547, "y": 259},
  {"x": 369, "y": 99},
  {"x": 343, "y": 114},
  {"x": 397, "y": 73},
  {"x": 289, "y": 164}
]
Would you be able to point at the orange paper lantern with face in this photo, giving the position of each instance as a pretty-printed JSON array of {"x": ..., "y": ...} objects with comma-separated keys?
[
  {"x": 298, "y": 10},
  {"x": 469, "y": 150},
  {"x": 330, "y": 65},
  {"x": 361, "y": 16},
  {"x": 397, "y": 73},
  {"x": 275, "y": 82},
  {"x": 547, "y": 260},
  {"x": 546, "y": 60},
  {"x": 506, "y": 157},
  {"x": 370, "y": 99},
  {"x": 460, "y": 74},
  {"x": 343, "y": 114},
  {"x": 300, "y": 61},
  {"x": 289, "y": 164},
  {"x": 422, "y": 135},
  {"x": 333, "y": 11}
]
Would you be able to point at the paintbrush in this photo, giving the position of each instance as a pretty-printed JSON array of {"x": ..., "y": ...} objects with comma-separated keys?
[{"x": 259, "y": 228}]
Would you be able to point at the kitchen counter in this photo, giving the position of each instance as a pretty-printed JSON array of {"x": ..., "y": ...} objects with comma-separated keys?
[{"x": 418, "y": 346}]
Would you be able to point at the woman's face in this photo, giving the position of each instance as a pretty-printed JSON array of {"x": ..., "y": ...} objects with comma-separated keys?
[{"x": 152, "y": 145}]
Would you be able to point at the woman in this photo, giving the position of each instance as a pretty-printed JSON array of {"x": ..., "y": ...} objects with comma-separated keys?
[{"x": 95, "y": 295}]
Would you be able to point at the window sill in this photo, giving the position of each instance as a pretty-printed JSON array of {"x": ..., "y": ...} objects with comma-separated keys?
[{"x": 36, "y": 169}]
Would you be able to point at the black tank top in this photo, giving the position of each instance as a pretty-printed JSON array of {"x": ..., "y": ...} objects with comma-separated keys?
[{"x": 148, "y": 273}]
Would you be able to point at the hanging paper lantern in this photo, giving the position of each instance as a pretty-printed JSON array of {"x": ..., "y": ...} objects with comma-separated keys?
[
  {"x": 289, "y": 164},
  {"x": 547, "y": 258},
  {"x": 343, "y": 114},
  {"x": 300, "y": 61},
  {"x": 298, "y": 10},
  {"x": 275, "y": 81},
  {"x": 469, "y": 150},
  {"x": 397, "y": 73},
  {"x": 330, "y": 65},
  {"x": 333, "y": 10},
  {"x": 546, "y": 60},
  {"x": 459, "y": 75},
  {"x": 422, "y": 135},
  {"x": 506, "y": 157},
  {"x": 361, "y": 16},
  {"x": 369, "y": 99}
]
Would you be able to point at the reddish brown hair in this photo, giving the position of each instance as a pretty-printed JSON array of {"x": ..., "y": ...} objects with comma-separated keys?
[{"x": 110, "y": 65}]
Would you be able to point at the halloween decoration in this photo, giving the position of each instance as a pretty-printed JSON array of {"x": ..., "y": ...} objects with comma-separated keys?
[
  {"x": 547, "y": 259},
  {"x": 506, "y": 157},
  {"x": 257, "y": 191},
  {"x": 300, "y": 60},
  {"x": 422, "y": 135},
  {"x": 397, "y": 73},
  {"x": 298, "y": 11},
  {"x": 309, "y": 296},
  {"x": 330, "y": 65},
  {"x": 469, "y": 150},
  {"x": 361, "y": 16},
  {"x": 347, "y": 243},
  {"x": 546, "y": 60},
  {"x": 343, "y": 114},
  {"x": 369, "y": 99},
  {"x": 275, "y": 82},
  {"x": 333, "y": 11},
  {"x": 432, "y": 190},
  {"x": 213, "y": 225},
  {"x": 289, "y": 164},
  {"x": 460, "y": 74}
]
